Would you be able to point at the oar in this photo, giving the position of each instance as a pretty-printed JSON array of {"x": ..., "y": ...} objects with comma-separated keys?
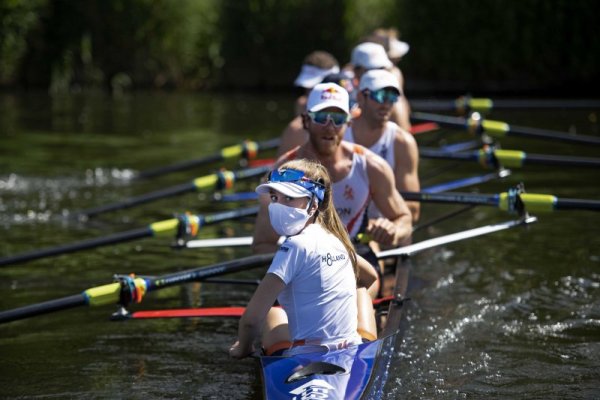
[
  {"x": 465, "y": 104},
  {"x": 440, "y": 187},
  {"x": 131, "y": 289},
  {"x": 497, "y": 129},
  {"x": 507, "y": 201},
  {"x": 402, "y": 252},
  {"x": 219, "y": 180},
  {"x": 492, "y": 158},
  {"x": 412, "y": 249},
  {"x": 247, "y": 149},
  {"x": 166, "y": 227}
]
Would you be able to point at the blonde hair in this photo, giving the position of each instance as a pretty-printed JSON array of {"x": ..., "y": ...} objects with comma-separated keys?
[{"x": 327, "y": 216}]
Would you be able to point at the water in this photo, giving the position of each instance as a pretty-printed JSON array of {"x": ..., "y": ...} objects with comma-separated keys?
[{"x": 514, "y": 314}]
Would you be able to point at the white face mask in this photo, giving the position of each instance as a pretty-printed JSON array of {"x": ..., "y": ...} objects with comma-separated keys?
[{"x": 286, "y": 220}]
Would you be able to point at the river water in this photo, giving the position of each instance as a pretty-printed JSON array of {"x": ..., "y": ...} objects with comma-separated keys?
[{"x": 511, "y": 315}]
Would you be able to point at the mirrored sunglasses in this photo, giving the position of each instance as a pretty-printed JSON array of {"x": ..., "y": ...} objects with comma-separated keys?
[
  {"x": 382, "y": 95},
  {"x": 323, "y": 118},
  {"x": 298, "y": 178}
]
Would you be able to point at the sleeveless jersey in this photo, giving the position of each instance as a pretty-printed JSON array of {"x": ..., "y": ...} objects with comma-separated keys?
[
  {"x": 351, "y": 195},
  {"x": 384, "y": 146},
  {"x": 320, "y": 294}
]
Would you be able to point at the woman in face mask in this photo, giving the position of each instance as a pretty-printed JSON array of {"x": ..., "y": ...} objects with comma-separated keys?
[{"x": 314, "y": 274}]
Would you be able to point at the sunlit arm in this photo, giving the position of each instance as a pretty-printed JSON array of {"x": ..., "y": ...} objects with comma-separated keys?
[
  {"x": 396, "y": 226},
  {"x": 253, "y": 319},
  {"x": 367, "y": 275}
]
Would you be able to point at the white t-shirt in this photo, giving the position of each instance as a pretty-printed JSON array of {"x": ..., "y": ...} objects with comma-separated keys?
[{"x": 320, "y": 293}]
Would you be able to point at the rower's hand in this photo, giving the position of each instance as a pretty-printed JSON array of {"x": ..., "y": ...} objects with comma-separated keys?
[
  {"x": 236, "y": 351},
  {"x": 383, "y": 231}
]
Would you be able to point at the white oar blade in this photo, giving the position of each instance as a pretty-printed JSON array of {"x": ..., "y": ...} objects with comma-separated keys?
[
  {"x": 223, "y": 242},
  {"x": 409, "y": 250}
]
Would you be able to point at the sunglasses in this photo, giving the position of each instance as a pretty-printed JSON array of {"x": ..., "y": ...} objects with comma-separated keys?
[
  {"x": 382, "y": 95},
  {"x": 323, "y": 118},
  {"x": 298, "y": 178}
]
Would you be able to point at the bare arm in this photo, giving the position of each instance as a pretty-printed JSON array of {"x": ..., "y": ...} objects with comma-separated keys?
[
  {"x": 396, "y": 226},
  {"x": 367, "y": 275},
  {"x": 406, "y": 169},
  {"x": 253, "y": 319}
]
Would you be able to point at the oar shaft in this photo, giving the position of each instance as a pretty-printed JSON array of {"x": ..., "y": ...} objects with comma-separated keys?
[
  {"x": 77, "y": 246},
  {"x": 225, "y": 153},
  {"x": 510, "y": 158},
  {"x": 577, "y": 204},
  {"x": 43, "y": 308},
  {"x": 501, "y": 129},
  {"x": 142, "y": 199},
  {"x": 207, "y": 272},
  {"x": 219, "y": 180}
]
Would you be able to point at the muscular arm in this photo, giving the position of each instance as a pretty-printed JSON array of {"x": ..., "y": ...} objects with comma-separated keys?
[
  {"x": 396, "y": 226},
  {"x": 406, "y": 169}
]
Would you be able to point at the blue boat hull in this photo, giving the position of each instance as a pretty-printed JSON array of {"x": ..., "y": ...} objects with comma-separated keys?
[{"x": 358, "y": 372}]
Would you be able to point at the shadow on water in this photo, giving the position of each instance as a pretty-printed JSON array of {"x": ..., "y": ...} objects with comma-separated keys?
[{"x": 515, "y": 314}]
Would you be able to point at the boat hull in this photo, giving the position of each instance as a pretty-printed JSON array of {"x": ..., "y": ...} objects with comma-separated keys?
[{"x": 358, "y": 372}]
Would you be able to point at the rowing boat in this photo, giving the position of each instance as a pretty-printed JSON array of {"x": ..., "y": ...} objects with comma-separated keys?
[{"x": 356, "y": 372}]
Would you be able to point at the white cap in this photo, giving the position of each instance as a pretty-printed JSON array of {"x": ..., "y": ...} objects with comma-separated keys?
[
  {"x": 326, "y": 95},
  {"x": 287, "y": 188},
  {"x": 370, "y": 56},
  {"x": 376, "y": 79},
  {"x": 310, "y": 75},
  {"x": 397, "y": 48}
]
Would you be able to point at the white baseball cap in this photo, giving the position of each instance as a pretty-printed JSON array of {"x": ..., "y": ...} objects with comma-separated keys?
[
  {"x": 326, "y": 95},
  {"x": 397, "y": 48},
  {"x": 310, "y": 75},
  {"x": 377, "y": 79},
  {"x": 370, "y": 56}
]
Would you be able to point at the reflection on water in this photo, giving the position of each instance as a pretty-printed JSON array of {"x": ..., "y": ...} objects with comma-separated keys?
[{"x": 515, "y": 314}]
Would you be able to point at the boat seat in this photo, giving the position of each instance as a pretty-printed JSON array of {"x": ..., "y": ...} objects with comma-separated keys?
[{"x": 315, "y": 368}]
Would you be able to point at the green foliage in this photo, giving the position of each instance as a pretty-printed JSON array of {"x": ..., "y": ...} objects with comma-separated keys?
[
  {"x": 456, "y": 45},
  {"x": 17, "y": 17}
]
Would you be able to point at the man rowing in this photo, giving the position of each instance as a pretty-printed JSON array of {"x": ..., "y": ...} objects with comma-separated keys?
[
  {"x": 377, "y": 94},
  {"x": 358, "y": 176},
  {"x": 317, "y": 65}
]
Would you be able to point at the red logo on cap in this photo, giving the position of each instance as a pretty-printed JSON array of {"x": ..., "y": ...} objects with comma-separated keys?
[{"x": 329, "y": 93}]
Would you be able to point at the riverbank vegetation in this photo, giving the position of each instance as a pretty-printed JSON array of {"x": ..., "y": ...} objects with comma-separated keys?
[{"x": 541, "y": 46}]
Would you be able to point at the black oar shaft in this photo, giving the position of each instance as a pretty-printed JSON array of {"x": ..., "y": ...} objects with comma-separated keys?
[
  {"x": 577, "y": 204},
  {"x": 142, "y": 199},
  {"x": 496, "y": 128},
  {"x": 107, "y": 294},
  {"x": 218, "y": 180},
  {"x": 77, "y": 246},
  {"x": 199, "y": 274},
  {"x": 161, "y": 227},
  {"x": 228, "y": 152},
  {"x": 182, "y": 166},
  {"x": 43, "y": 308},
  {"x": 511, "y": 158},
  {"x": 566, "y": 161}
]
